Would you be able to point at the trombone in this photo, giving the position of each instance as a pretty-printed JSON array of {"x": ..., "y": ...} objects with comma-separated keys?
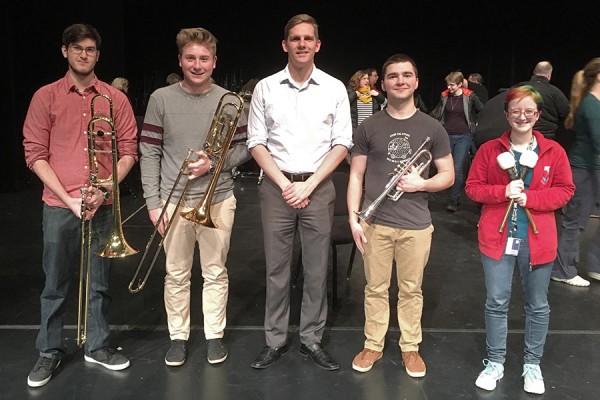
[
  {"x": 217, "y": 144},
  {"x": 117, "y": 246},
  {"x": 420, "y": 160}
]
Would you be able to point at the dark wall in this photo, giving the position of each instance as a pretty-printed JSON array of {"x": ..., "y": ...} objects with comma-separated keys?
[{"x": 501, "y": 40}]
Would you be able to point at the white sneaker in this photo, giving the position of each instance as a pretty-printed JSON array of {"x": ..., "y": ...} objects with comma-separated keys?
[
  {"x": 575, "y": 281},
  {"x": 492, "y": 373},
  {"x": 534, "y": 382},
  {"x": 594, "y": 275}
]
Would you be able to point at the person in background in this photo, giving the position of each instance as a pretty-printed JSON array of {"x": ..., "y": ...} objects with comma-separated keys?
[
  {"x": 556, "y": 104},
  {"x": 364, "y": 101},
  {"x": 475, "y": 83},
  {"x": 173, "y": 78},
  {"x": 121, "y": 83},
  {"x": 584, "y": 158},
  {"x": 541, "y": 189},
  {"x": 373, "y": 78},
  {"x": 457, "y": 112}
]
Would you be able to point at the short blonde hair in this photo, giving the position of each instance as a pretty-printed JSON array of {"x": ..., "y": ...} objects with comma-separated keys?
[
  {"x": 120, "y": 83},
  {"x": 197, "y": 35},
  {"x": 455, "y": 77}
]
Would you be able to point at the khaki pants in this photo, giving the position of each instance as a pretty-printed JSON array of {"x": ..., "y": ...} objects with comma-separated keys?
[
  {"x": 410, "y": 250},
  {"x": 179, "y": 248}
]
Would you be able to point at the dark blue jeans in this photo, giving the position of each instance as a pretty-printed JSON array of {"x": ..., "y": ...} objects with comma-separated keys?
[
  {"x": 61, "y": 258},
  {"x": 460, "y": 146},
  {"x": 498, "y": 283}
]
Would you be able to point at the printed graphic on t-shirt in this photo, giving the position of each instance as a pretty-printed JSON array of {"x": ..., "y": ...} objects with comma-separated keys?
[{"x": 399, "y": 148}]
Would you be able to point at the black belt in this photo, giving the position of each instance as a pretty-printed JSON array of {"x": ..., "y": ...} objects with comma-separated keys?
[{"x": 297, "y": 177}]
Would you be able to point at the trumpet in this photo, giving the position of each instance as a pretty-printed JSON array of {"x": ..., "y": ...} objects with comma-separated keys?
[
  {"x": 216, "y": 145},
  {"x": 116, "y": 246},
  {"x": 420, "y": 160}
]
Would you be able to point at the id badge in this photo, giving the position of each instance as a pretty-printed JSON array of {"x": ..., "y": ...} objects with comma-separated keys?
[{"x": 512, "y": 246}]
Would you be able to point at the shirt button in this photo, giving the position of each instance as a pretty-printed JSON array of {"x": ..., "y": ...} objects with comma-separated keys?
[
  {"x": 85, "y": 167},
  {"x": 84, "y": 114}
]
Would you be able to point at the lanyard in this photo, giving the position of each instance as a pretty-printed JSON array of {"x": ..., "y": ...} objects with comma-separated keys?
[{"x": 513, "y": 219}]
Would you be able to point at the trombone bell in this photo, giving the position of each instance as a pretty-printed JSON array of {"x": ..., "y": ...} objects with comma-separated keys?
[
  {"x": 117, "y": 246},
  {"x": 200, "y": 216}
]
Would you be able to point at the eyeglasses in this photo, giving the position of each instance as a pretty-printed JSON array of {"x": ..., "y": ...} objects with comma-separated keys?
[
  {"x": 529, "y": 113},
  {"x": 76, "y": 49}
]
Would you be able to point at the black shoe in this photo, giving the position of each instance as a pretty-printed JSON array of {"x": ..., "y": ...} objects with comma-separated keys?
[
  {"x": 176, "y": 354},
  {"x": 318, "y": 354},
  {"x": 109, "y": 358},
  {"x": 216, "y": 351},
  {"x": 42, "y": 371},
  {"x": 268, "y": 356}
]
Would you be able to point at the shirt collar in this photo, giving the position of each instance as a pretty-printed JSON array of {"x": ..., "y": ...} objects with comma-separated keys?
[
  {"x": 69, "y": 86},
  {"x": 314, "y": 78}
]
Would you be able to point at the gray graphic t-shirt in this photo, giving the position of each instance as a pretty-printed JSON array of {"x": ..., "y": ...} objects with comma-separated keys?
[{"x": 387, "y": 142}]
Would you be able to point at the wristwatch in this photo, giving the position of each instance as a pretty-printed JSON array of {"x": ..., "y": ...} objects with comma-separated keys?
[{"x": 105, "y": 192}]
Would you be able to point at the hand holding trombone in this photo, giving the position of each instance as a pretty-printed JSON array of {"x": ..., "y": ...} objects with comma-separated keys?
[{"x": 216, "y": 146}]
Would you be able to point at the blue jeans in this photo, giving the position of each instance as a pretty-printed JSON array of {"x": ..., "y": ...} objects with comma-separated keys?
[
  {"x": 460, "y": 146},
  {"x": 498, "y": 282},
  {"x": 61, "y": 257}
]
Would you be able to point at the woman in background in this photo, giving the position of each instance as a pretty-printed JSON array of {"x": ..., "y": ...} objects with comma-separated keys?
[
  {"x": 364, "y": 101},
  {"x": 584, "y": 157}
]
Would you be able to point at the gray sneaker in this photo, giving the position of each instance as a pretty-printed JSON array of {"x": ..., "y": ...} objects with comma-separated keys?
[
  {"x": 109, "y": 358},
  {"x": 176, "y": 353},
  {"x": 452, "y": 206},
  {"x": 217, "y": 351},
  {"x": 42, "y": 371}
]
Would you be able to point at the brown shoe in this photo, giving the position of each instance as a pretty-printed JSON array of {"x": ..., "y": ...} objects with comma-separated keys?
[
  {"x": 414, "y": 364},
  {"x": 364, "y": 360}
]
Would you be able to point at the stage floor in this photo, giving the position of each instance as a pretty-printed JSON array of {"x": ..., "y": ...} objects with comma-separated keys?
[{"x": 453, "y": 341}]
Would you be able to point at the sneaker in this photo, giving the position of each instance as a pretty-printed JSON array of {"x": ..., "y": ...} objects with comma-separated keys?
[
  {"x": 414, "y": 364},
  {"x": 534, "y": 382},
  {"x": 217, "y": 351},
  {"x": 452, "y": 206},
  {"x": 492, "y": 373},
  {"x": 594, "y": 275},
  {"x": 364, "y": 360},
  {"x": 109, "y": 358},
  {"x": 575, "y": 281},
  {"x": 176, "y": 353},
  {"x": 42, "y": 371}
]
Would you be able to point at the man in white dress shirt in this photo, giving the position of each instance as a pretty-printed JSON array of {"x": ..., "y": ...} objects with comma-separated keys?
[{"x": 299, "y": 130}]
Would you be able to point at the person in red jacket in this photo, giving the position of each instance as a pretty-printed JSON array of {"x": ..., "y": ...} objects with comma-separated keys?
[{"x": 539, "y": 190}]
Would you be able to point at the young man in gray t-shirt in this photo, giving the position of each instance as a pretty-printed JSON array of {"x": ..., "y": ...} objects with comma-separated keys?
[{"x": 399, "y": 230}]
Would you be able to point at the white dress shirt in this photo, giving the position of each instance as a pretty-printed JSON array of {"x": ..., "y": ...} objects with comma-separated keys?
[{"x": 299, "y": 124}]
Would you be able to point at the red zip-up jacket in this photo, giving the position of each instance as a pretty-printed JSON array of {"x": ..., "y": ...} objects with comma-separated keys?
[{"x": 551, "y": 188}]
